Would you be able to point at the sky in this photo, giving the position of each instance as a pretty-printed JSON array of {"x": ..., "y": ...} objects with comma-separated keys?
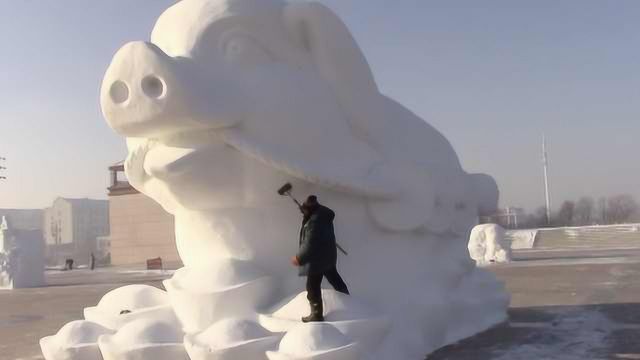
[{"x": 491, "y": 75}]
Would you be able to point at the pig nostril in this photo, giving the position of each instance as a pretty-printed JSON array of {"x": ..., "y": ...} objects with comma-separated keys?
[
  {"x": 119, "y": 92},
  {"x": 152, "y": 86}
]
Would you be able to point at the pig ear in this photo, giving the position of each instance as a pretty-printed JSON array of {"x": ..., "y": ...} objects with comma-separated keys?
[
  {"x": 335, "y": 54},
  {"x": 342, "y": 65}
]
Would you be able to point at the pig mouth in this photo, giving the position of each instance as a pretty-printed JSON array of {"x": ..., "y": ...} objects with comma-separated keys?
[{"x": 169, "y": 156}]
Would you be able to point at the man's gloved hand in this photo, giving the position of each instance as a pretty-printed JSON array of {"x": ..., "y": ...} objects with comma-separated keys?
[{"x": 295, "y": 261}]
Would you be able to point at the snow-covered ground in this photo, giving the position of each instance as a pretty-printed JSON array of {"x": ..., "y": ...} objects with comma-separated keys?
[
  {"x": 110, "y": 270},
  {"x": 574, "y": 261},
  {"x": 621, "y": 236},
  {"x": 522, "y": 239},
  {"x": 634, "y": 227},
  {"x": 572, "y": 335}
]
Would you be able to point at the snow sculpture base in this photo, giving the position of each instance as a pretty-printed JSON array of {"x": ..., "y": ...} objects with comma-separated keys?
[
  {"x": 143, "y": 322},
  {"x": 230, "y": 100}
]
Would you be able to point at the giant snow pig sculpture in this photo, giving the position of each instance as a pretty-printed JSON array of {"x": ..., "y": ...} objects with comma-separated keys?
[{"x": 233, "y": 98}]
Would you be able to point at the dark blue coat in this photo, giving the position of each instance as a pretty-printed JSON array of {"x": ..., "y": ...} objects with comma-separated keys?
[{"x": 317, "y": 252}]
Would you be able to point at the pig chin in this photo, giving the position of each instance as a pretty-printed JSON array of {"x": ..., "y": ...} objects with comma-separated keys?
[
  {"x": 191, "y": 163},
  {"x": 177, "y": 155}
]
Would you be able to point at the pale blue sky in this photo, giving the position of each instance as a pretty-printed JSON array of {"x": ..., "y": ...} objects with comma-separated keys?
[{"x": 492, "y": 75}]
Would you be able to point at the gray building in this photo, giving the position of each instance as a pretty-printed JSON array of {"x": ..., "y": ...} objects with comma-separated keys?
[{"x": 71, "y": 229}]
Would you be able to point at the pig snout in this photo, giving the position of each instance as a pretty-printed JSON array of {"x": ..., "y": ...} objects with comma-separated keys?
[{"x": 143, "y": 93}]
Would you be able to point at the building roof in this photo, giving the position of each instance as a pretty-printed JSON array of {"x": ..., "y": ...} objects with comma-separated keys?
[
  {"x": 119, "y": 166},
  {"x": 119, "y": 188},
  {"x": 83, "y": 200}
]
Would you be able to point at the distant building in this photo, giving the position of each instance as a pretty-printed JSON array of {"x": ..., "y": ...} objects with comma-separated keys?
[
  {"x": 71, "y": 228},
  {"x": 23, "y": 219},
  {"x": 140, "y": 228}
]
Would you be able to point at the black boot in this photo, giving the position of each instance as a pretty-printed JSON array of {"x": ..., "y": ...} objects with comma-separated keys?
[{"x": 316, "y": 313}]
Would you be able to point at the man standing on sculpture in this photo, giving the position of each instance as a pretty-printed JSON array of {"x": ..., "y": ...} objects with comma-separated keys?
[{"x": 317, "y": 256}]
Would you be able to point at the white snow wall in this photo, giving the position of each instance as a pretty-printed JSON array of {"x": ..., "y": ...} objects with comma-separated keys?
[{"x": 21, "y": 258}]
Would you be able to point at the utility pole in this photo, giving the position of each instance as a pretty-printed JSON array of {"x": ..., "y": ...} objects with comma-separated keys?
[{"x": 545, "y": 162}]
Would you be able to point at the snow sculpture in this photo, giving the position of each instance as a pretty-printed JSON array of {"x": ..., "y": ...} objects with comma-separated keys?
[
  {"x": 487, "y": 244},
  {"x": 21, "y": 257},
  {"x": 231, "y": 99}
]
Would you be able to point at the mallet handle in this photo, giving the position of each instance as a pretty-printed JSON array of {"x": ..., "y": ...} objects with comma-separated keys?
[
  {"x": 294, "y": 200},
  {"x": 342, "y": 250}
]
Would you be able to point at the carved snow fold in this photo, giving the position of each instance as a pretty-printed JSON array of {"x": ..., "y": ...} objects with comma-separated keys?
[
  {"x": 356, "y": 320},
  {"x": 231, "y": 339},
  {"x": 78, "y": 340},
  {"x": 129, "y": 303},
  {"x": 201, "y": 296},
  {"x": 144, "y": 339},
  {"x": 316, "y": 341}
]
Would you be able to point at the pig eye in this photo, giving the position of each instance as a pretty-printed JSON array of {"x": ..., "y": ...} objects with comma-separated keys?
[{"x": 244, "y": 50}]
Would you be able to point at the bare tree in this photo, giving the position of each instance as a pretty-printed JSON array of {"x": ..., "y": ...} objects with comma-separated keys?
[
  {"x": 602, "y": 211},
  {"x": 565, "y": 215},
  {"x": 584, "y": 211},
  {"x": 621, "y": 208}
]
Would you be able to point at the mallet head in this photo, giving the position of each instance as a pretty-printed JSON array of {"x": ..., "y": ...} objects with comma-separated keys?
[{"x": 285, "y": 189}]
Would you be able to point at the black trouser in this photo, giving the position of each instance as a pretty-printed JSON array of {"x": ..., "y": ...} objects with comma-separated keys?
[{"x": 314, "y": 282}]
